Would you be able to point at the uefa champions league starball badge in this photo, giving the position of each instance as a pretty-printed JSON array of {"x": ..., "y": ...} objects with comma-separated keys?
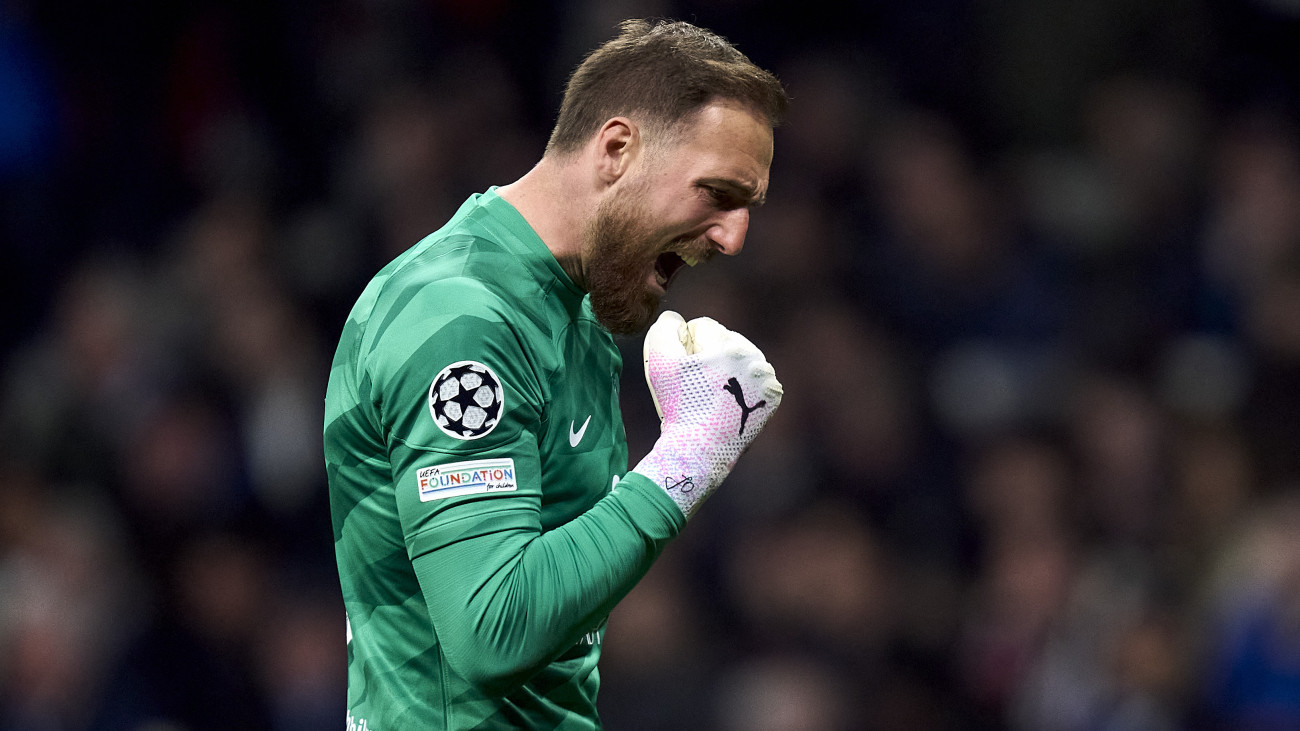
[{"x": 466, "y": 400}]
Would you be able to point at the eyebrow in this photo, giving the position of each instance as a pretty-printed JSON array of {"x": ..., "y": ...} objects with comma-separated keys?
[{"x": 740, "y": 191}]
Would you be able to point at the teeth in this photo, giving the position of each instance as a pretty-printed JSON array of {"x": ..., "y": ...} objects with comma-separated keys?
[{"x": 690, "y": 259}]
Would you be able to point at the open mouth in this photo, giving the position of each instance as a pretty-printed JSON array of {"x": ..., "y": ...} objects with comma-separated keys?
[{"x": 669, "y": 263}]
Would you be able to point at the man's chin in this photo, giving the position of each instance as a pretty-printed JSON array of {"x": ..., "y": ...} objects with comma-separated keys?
[{"x": 628, "y": 317}]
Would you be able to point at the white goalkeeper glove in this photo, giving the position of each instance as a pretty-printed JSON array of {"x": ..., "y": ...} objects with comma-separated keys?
[{"x": 714, "y": 391}]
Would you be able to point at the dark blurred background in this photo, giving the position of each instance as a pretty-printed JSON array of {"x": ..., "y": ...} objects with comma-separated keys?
[{"x": 1030, "y": 272}]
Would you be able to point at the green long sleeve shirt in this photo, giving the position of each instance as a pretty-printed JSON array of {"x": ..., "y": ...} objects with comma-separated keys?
[{"x": 474, "y": 449}]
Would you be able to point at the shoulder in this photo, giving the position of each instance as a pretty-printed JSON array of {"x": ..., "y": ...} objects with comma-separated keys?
[
  {"x": 460, "y": 271},
  {"x": 440, "y": 282},
  {"x": 459, "y": 298}
]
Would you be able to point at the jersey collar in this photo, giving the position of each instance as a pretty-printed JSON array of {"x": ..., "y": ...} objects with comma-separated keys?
[{"x": 520, "y": 237}]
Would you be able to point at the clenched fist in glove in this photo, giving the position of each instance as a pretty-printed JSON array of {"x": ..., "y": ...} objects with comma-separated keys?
[{"x": 714, "y": 391}]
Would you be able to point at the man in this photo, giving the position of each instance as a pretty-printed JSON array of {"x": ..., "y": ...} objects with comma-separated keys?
[{"x": 484, "y": 525}]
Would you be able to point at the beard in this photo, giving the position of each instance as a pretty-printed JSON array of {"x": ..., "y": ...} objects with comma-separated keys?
[{"x": 621, "y": 248}]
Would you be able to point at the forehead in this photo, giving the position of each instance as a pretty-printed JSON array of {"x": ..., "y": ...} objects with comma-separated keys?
[{"x": 724, "y": 140}]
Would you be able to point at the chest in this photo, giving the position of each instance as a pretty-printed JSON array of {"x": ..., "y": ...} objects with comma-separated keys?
[{"x": 582, "y": 442}]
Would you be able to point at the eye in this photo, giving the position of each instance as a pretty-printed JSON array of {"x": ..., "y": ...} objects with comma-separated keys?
[{"x": 720, "y": 198}]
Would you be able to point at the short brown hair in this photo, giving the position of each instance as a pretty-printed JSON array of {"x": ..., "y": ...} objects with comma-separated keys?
[{"x": 662, "y": 72}]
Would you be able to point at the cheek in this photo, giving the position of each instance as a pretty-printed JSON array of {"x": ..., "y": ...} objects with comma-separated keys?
[{"x": 675, "y": 207}]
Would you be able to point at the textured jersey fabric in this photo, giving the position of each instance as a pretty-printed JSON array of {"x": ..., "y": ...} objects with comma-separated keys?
[{"x": 473, "y": 443}]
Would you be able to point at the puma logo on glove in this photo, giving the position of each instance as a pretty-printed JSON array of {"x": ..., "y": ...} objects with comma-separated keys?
[{"x": 734, "y": 387}]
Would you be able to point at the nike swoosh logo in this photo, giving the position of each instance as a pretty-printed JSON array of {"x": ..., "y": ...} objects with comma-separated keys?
[{"x": 576, "y": 436}]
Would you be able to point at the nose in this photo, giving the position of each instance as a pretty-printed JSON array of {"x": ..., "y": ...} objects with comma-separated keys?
[{"x": 728, "y": 234}]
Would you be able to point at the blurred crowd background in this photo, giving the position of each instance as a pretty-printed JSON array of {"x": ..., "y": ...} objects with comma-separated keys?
[{"x": 1030, "y": 272}]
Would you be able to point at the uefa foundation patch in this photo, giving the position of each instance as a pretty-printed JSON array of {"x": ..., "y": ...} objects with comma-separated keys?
[
  {"x": 466, "y": 478},
  {"x": 466, "y": 400}
]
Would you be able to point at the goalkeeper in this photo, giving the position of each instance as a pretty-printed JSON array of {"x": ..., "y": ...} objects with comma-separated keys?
[{"x": 485, "y": 521}]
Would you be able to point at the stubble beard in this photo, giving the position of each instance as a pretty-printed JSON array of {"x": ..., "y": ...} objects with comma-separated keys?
[{"x": 621, "y": 249}]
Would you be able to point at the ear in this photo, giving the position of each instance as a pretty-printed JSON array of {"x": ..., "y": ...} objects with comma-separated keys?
[{"x": 617, "y": 145}]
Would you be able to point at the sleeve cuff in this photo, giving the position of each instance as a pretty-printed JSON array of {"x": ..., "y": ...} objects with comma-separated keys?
[{"x": 651, "y": 506}]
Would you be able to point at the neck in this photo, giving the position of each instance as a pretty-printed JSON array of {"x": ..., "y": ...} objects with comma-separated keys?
[
  {"x": 555, "y": 202},
  {"x": 572, "y": 265}
]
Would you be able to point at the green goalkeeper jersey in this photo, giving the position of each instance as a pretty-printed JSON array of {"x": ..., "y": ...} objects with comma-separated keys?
[{"x": 474, "y": 445}]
